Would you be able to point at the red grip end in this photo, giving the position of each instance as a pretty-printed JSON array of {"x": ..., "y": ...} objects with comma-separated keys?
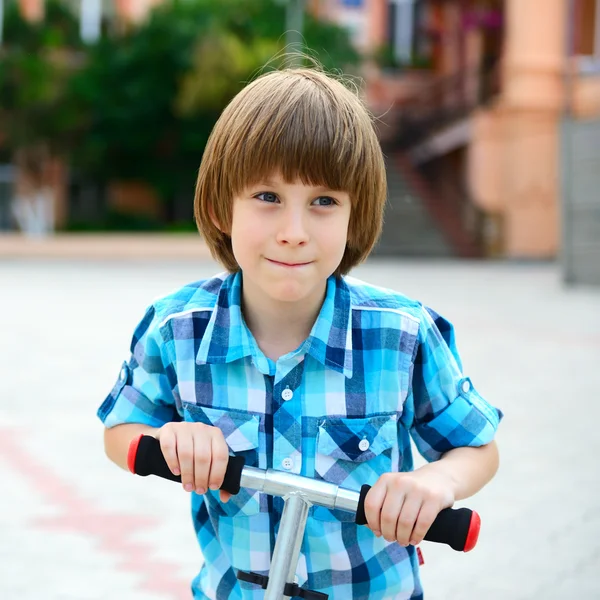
[
  {"x": 473, "y": 533},
  {"x": 133, "y": 448}
]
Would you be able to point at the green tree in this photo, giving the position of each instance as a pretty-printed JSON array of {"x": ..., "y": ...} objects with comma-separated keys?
[
  {"x": 152, "y": 95},
  {"x": 127, "y": 92},
  {"x": 38, "y": 118}
]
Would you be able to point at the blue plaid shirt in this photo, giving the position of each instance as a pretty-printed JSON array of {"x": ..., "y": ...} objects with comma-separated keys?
[{"x": 376, "y": 366}]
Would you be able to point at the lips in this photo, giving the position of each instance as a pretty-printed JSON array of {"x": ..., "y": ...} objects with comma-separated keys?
[{"x": 288, "y": 264}]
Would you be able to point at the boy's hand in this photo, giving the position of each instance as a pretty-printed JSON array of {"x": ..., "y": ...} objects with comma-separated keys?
[
  {"x": 198, "y": 452},
  {"x": 402, "y": 506}
]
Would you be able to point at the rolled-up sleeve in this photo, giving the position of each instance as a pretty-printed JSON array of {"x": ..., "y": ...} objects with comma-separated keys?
[
  {"x": 143, "y": 392},
  {"x": 444, "y": 408}
]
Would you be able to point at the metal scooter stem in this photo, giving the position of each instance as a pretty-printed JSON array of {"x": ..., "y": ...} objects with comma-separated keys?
[
  {"x": 287, "y": 545},
  {"x": 299, "y": 494}
]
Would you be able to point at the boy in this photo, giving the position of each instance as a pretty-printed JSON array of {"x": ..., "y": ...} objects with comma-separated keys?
[{"x": 286, "y": 362}]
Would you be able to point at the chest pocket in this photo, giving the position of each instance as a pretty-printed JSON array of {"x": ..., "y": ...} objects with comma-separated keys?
[
  {"x": 241, "y": 432},
  {"x": 351, "y": 452}
]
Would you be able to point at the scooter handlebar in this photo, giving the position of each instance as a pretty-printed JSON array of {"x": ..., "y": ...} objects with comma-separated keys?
[{"x": 457, "y": 527}]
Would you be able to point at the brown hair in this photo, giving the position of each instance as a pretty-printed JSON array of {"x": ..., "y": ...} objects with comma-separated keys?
[{"x": 305, "y": 125}]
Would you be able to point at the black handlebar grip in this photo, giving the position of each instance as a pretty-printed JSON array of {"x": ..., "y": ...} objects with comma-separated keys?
[
  {"x": 457, "y": 527},
  {"x": 146, "y": 458}
]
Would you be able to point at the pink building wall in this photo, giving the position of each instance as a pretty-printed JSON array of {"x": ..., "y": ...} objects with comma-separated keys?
[{"x": 513, "y": 168}]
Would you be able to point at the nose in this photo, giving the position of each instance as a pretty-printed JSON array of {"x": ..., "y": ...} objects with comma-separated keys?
[{"x": 292, "y": 228}]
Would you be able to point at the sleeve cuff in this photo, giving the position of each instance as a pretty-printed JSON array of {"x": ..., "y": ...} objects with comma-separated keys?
[
  {"x": 467, "y": 421},
  {"x": 125, "y": 404}
]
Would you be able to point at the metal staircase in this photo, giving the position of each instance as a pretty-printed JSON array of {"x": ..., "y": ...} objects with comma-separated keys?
[
  {"x": 409, "y": 230},
  {"x": 429, "y": 210}
]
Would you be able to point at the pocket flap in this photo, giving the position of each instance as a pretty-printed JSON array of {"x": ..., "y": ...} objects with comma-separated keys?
[
  {"x": 357, "y": 440},
  {"x": 240, "y": 428}
]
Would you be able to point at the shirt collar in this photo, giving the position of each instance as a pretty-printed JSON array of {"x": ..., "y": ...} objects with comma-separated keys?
[
  {"x": 227, "y": 337},
  {"x": 330, "y": 341}
]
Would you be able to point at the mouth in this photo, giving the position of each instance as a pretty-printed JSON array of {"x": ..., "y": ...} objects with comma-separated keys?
[{"x": 289, "y": 265}]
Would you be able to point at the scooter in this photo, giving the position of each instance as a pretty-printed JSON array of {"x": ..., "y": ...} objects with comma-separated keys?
[{"x": 459, "y": 528}]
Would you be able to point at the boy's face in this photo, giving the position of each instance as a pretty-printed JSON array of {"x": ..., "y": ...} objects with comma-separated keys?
[{"x": 288, "y": 238}]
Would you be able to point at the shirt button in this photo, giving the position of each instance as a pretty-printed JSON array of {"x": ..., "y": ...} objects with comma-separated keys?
[
  {"x": 287, "y": 463},
  {"x": 363, "y": 445},
  {"x": 287, "y": 394},
  {"x": 466, "y": 386}
]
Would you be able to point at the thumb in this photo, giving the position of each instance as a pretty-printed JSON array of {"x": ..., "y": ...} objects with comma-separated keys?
[{"x": 224, "y": 495}]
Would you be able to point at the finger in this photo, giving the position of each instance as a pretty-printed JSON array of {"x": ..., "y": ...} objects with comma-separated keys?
[
  {"x": 168, "y": 446},
  {"x": 425, "y": 519},
  {"x": 373, "y": 503},
  {"x": 407, "y": 518},
  {"x": 390, "y": 511},
  {"x": 202, "y": 459},
  {"x": 219, "y": 460},
  {"x": 185, "y": 454}
]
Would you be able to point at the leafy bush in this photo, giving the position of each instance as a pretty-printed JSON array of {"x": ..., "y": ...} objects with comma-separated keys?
[
  {"x": 37, "y": 61},
  {"x": 140, "y": 105}
]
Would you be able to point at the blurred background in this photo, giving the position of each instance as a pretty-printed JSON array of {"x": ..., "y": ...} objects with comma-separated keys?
[{"x": 488, "y": 111}]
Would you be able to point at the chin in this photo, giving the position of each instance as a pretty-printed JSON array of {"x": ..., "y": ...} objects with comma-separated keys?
[{"x": 290, "y": 292}]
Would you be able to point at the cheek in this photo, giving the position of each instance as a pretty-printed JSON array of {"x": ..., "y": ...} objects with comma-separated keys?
[
  {"x": 245, "y": 236},
  {"x": 335, "y": 244},
  {"x": 335, "y": 234}
]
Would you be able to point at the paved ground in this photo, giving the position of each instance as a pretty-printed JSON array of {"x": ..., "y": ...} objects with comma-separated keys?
[{"x": 74, "y": 527}]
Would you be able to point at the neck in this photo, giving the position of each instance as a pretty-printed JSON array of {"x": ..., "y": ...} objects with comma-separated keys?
[{"x": 279, "y": 327}]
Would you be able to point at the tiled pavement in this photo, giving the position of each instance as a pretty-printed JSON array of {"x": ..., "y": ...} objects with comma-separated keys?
[{"x": 74, "y": 527}]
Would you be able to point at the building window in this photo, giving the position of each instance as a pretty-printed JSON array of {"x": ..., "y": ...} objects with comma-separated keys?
[
  {"x": 405, "y": 22},
  {"x": 585, "y": 35},
  {"x": 586, "y": 28}
]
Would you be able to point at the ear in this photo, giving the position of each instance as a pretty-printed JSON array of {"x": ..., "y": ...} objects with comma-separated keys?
[{"x": 213, "y": 218}]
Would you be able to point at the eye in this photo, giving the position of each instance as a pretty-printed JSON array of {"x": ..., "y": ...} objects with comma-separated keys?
[
  {"x": 325, "y": 201},
  {"x": 267, "y": 197}
]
